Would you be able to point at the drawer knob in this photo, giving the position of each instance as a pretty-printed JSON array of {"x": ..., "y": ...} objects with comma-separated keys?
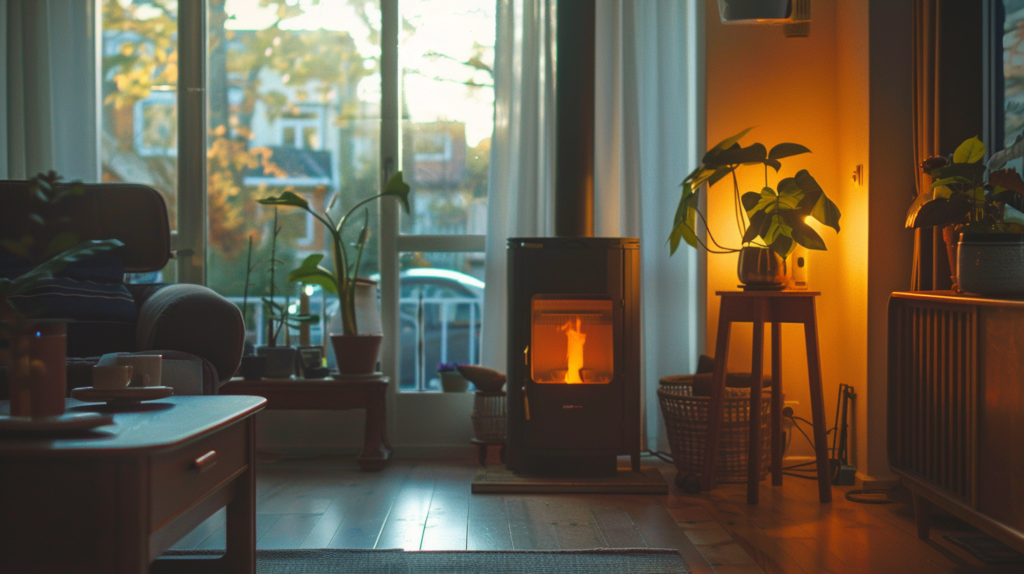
[{"x": 206, "y": 461}]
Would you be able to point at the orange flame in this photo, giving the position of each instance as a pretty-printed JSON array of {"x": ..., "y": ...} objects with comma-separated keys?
[{"x": 576, "y": 340}]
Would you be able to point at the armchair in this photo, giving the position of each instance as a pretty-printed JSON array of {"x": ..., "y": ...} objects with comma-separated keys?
[{"x": 181, "y": 321}]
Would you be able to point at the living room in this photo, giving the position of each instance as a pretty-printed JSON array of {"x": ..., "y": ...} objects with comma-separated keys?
[{"x": 275, "y": 310}]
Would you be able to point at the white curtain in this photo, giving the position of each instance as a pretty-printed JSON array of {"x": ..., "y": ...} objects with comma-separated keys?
[
  {"x": 49, "y": 109},
  {"x": 649, "y": 133},
  {"x": 520, "y": 201}
]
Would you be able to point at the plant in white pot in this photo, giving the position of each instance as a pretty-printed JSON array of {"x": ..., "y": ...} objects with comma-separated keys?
[
  {"x": 982, "y": 221},
  {"x": 356, "y": 353},
  {"x": 771, "y": 221}
]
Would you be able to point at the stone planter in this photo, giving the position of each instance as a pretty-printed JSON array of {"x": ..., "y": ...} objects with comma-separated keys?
[
  {"x": 453, "y": 382},
  {"x": 991, "y": 264}
]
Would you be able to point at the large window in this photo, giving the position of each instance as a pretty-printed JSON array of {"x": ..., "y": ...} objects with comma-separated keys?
[{"x": 295, "y": 93}]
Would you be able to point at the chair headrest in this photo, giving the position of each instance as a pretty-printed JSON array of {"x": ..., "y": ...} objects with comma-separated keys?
[{"x": 134, "y": 214}]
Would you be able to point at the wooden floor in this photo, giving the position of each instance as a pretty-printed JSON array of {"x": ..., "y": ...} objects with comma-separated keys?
[{"x": 328, "y": 503}]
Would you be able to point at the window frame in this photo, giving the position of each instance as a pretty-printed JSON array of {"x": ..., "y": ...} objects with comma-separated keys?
[{"x": 190, "y": 241}]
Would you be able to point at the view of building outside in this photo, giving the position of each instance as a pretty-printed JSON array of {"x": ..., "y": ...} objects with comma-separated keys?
[
  {"x": 294, "y": 105},
  {"x": 1013, "y": 71}
]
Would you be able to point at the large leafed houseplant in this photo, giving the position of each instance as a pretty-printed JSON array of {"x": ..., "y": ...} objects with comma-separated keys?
[{"x": 772, "y": 221}]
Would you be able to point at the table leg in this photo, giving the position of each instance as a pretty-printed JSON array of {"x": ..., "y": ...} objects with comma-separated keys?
[
  {"x": 776, "y": 413},
  {"x": 240, "y": 548},
  {"x": 756, "y": 376},
  {"x": 716, "y": 405},
  {"x": 375, "y": 450},
  {"x": 817, "y": 403},
  {"x": 922, "y": 515}
]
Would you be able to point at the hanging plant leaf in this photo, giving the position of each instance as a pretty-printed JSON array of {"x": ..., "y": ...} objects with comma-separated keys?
[
  {"x": 802, "y": 233},
  {"x": 758, "y": 222},
  {"x": 1007, "y": 178},
  {"x": 724, "y": 145},
  {"x": 287, "y": 198},
  {"x": 971, "y": 171},
  {"x": 950, "y": 180},
  {"x": 937, "y": 212},
  {"x": 787, "y": 150},
  {"x": 750, "y": 201},
  {"x": 971, "y": 151},
  {"x": 755, "y": 153}
]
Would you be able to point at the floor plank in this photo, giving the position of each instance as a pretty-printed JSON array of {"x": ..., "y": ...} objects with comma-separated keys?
[
  {"x": 574, "y": 525},
  {"x": 361, "y": 516},
  {"x": 448, "y": 516},
  {"x": 288, "y": 531},
  {"x": 615, "y": 525},
  {"x": 488, "y": 527},
  {"x": 403, "y": 527},
  {"x": 529, "y": 523}
]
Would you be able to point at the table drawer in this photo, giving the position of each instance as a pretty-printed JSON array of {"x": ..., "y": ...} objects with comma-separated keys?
[{"x": 184, "y": 476}]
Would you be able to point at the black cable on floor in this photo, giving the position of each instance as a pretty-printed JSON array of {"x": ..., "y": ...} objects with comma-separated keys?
[{"x": 853, "y": 496}]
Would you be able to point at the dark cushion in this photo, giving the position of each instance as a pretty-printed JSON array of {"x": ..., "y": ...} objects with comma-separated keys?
[{"x": 88, "y": 290}]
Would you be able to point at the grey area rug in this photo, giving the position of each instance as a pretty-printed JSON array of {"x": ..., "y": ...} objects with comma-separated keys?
[{"x": 328, "y": 561}]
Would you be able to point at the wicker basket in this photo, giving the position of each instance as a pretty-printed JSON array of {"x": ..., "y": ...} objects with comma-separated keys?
[
  {"x": 686, "y": 419},
  {"x": 489, "y": 416}
]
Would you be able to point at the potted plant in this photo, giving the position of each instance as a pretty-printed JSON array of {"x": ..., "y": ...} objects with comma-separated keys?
[
  {"x": 355, "y": 352},
  {"x": 982, "y": 221},
  {"x": 281, "y": 360},
  {"x": 771, "y": 221},
  {"x": 34, "y": 351},
  {"x": 452, "y": 380},
  {"x": 252, "y": 366}
]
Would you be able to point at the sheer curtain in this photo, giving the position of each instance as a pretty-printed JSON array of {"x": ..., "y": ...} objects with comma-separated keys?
[
  {"x": 649, "y": 132},
  {"x": 49, "y": 109}
]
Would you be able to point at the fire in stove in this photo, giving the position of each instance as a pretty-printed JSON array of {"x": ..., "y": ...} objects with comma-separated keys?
[{"x": 561, "y": 329}]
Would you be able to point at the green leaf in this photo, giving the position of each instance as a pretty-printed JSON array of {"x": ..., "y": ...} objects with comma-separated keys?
[
  {"x": 755, "y": 153},
  {"x": 16, "y": 247},
  {"x": 971, "y": 151},
  {"x": 766, "y": 201},
  {"x": 60, "y": 242},
  {"x": 685, "y": 221},
  {"x": 724, "y": 145},
  {"x": 938, "y": 212},
  {"x": 826, "y": 212},
  {"x": 758, "y": 222},
  {"x": 750, "y": 201},
  {"x": 287, "y": 198},
  {"x": 787, "y": 150},
  {"x": 783, "y": 245},
  {"x": 399, "y": 189},
  {"x": 790, "y": 198},
  {"x": 948, "y": 180},
  {"x": 303, "y": 319},
  {"x": 83, "y": 250},
  {"x": 311, "y": 272},
  {"x": 804, "y": 234},
  {"x": 968, "y": 170},
  {"x": 774, "y": 163}
]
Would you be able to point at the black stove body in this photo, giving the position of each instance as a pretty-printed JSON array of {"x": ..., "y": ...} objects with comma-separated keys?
[{"x": 573, "y": 354}]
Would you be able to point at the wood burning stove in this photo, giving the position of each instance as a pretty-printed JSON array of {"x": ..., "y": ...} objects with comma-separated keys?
[{"x": 574, "y": 354}]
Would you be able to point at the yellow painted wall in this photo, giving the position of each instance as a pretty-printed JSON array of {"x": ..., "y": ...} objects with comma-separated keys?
[{"x": 811, "y": 91}]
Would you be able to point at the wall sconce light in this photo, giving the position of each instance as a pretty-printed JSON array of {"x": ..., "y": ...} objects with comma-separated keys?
[{"x": 793, "y": 15}]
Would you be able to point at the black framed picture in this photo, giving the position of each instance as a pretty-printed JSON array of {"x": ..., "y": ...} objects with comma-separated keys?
[{"x": 311, "y": 362}]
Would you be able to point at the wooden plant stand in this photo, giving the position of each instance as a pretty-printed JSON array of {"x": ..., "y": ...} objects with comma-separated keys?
[{"x": 369, "y": 393}]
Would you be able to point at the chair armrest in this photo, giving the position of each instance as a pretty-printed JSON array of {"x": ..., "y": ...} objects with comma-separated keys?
[{"x": 196, "y": 320}]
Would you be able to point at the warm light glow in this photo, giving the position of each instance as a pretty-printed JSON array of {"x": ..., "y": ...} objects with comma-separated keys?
[{"x": 574, "y": 354}]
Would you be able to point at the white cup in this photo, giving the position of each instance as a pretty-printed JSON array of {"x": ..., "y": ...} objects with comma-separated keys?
[
  {"x": 147, "y": 369},
  {"x": 109, "y": 377}
]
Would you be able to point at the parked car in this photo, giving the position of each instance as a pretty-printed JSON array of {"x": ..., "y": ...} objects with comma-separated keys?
[{"x": 440, "y": 320}]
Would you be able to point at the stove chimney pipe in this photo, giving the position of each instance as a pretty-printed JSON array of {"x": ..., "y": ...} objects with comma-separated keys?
[{"x": 574, "y": 118}]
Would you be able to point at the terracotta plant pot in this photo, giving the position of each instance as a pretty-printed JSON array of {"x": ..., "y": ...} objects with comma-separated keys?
[
  {"x": 280, "y": 361},
  {"x": 759, "y": 267},
  {"x": 356, "y": 354}
]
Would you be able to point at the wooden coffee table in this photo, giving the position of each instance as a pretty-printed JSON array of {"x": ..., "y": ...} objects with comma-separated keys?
[
  {"x": 112, "y": 500},
  {"x": 368, "y": 393}
]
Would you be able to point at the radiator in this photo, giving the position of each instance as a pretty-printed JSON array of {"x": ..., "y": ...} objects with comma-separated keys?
[{"x": 933, "y": 374}]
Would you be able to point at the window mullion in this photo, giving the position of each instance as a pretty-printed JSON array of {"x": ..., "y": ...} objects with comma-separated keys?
[
  {"x": 192, "y": 214},
  {"x": 390, "y": 158}
]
